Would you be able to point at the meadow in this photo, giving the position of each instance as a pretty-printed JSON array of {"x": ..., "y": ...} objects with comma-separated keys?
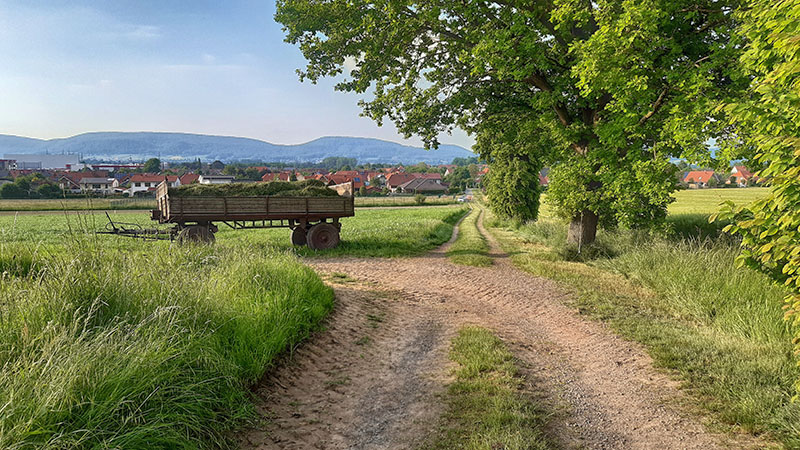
[
  {"x": 111, "y": 342},
  {"x": 371, "y": 232},
  {"x": 121, "y": 204},
  {"x": 715, "y": 327}
]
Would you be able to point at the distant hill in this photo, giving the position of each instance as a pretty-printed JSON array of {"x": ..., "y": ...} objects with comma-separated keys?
[{"x": 182, "y": 146}]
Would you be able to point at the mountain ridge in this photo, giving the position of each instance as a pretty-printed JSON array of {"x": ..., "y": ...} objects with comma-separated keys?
[{"x": 140, "y": 145}]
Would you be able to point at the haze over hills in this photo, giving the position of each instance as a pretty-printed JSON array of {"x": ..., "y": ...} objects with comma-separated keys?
[{"x": 138, "y": 146}]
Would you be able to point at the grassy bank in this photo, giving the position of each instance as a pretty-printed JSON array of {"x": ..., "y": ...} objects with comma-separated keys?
[
  {"x": 142, "y": 349},
  {"x": 485, "y": 406},
  {"x": 470, "y": 247},
  {"x": 717, "y": 328}
]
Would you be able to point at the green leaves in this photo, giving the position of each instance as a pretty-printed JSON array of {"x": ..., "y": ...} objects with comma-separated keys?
[
  {"x": 614, "y": 87},
  {"x": 767, "y": 118}
]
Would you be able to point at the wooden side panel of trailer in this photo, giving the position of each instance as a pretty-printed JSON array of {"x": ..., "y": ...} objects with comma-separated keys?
[{"x": 191, "y": 209}]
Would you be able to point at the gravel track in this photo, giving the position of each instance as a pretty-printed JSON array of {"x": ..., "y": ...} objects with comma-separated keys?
[{"x": 373, "y": 378}]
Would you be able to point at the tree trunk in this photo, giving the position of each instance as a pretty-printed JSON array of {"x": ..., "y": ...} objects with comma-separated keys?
[{"x": 582, "y": 229}]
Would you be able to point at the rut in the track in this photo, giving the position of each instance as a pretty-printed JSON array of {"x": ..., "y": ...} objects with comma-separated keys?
[{"x": 603, "y": 390}]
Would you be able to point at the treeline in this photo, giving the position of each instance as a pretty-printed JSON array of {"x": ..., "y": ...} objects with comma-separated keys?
[{"x": 30, "y": 186}]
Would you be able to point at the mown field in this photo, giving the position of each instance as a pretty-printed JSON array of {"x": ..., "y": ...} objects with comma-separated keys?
[
  {"x": 116, "y": 204},
  {"x": 717, "y": 328},
  {"x": 111, "y": 342}
]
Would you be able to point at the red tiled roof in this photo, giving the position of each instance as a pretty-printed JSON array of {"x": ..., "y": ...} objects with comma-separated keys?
[
  {"x": 741, "y": 172},
  {"x": 543, "y": 180},
  {"x": 398, "y": 178},
  {"x": 275, "y": 176},
  {"x": 348, "y": 173},
  {"x": 147, "y": 178},
  {"x": 338, "y": 178},
  {"x": 698, "y": 176},
  {"x": 319, "y": 176},
  {"x": 189, "y": 178}
]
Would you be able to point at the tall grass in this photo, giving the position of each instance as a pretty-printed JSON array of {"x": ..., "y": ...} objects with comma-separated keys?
[
  {"x": 148, "y": 349},
  {"x": 678, "y": 292}
]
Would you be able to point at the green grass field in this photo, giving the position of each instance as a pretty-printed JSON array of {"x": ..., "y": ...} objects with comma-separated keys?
[
  {"x": 706, "y": 201},
  {"x": 372, "y": 232},
  {"x": 76, "y": 204},
  {"x": 116, "y": 204},
  {"x": 717, "y": 328},
  {"x": 112, "y": 342},
  {"x": 696, "y": 201}
]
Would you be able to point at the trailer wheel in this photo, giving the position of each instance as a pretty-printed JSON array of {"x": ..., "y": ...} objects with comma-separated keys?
[
  {"x": 323, "y": 236},
  {"x": 196, "y": 234},
  {"x": 299, "y": 236}
]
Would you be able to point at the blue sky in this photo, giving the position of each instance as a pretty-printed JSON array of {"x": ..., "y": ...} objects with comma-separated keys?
[{"x": 212, "y": 67}]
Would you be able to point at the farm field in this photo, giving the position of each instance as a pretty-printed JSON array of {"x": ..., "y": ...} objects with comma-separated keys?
[
  {"x": 706, "y": 201},
  {"x": 113, "y": 342},
  {"x": 373, "y": 232},
  {"x": 82, "y": 204}
]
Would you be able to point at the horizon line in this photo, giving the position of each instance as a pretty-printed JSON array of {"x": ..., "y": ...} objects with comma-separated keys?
[{"x": 231, "y": 136}]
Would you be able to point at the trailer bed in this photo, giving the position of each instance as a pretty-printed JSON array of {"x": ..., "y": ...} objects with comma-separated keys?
[
  {"x": 220, "y": 209},
  {"x": 313, "y": 220}
]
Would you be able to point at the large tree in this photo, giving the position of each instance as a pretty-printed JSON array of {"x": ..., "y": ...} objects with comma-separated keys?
[{"x": 614, "y": 87}]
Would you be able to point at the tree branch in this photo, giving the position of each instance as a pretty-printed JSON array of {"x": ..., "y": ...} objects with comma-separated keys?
[
  {"x": 656, "y": 106},
  {"x": 541, "y": 83}
]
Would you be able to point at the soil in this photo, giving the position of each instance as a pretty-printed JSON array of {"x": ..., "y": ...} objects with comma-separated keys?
[{"x": 373, "y": 378}]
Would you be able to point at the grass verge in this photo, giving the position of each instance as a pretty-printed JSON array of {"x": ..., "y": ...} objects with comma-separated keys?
[
  {"x": 485, "y": 406},
  {"x": 470, "y": 248},
  {"x": 143, "y": 349},
  {"x": 717, "y": 328}
]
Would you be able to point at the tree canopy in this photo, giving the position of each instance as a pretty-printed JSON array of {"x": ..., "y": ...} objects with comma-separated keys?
[
  {"x": 613, "y": 87},
  {"x": 152, "y": 165}
]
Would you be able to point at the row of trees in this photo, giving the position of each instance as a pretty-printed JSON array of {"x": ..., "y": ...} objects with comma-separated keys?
[{"x": 30, "y": 186}]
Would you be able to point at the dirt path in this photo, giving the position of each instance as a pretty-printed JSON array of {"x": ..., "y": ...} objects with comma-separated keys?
[{"x": 371, "y": 380}]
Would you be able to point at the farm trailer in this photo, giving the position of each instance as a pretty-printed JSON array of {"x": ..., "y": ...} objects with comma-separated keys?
[{"x": 314, "y": 221}]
